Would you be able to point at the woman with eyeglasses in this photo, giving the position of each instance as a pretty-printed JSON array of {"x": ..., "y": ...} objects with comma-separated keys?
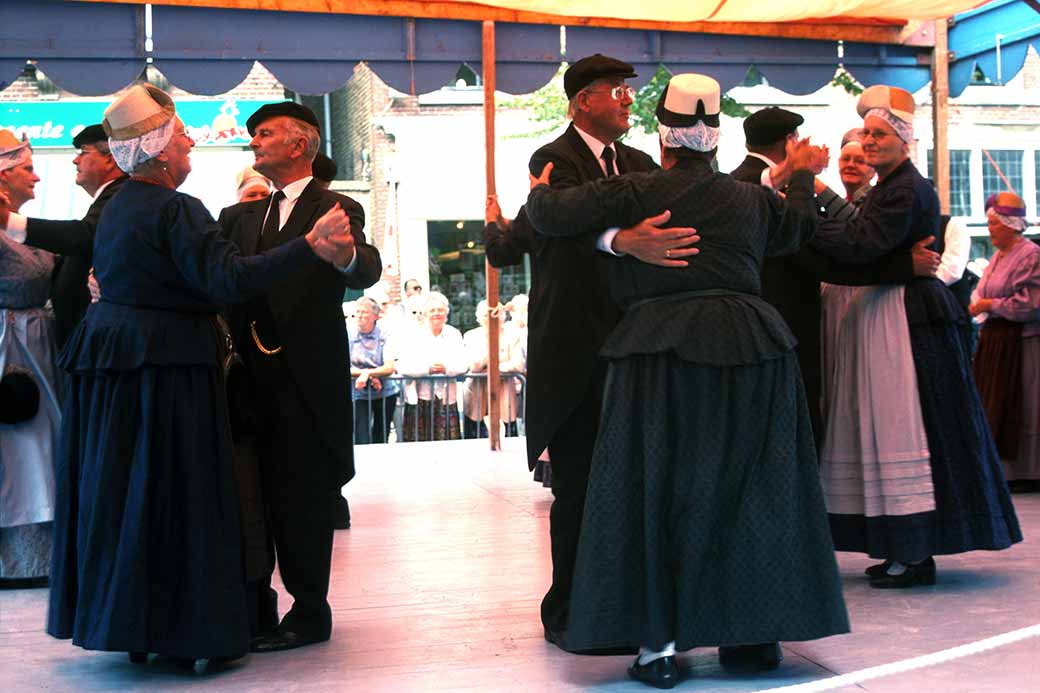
[
  {"x": 148, "y": 539},
  {"x": 908, "y": 462}
]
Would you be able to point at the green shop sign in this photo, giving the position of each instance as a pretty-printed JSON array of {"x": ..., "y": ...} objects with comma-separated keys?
[{"x": 55, "y": 123}]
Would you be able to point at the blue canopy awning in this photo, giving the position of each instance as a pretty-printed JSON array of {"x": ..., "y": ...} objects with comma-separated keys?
[
  {"x": 98, "y": 48},
  {"x": 994, "y": 38}
]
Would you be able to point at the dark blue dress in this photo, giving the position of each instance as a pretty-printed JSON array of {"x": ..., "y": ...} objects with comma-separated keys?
[
  {"x": 147, "y": 546},
  {"x": 973, "y": 509},
  {"x": 704, "y": 517}
]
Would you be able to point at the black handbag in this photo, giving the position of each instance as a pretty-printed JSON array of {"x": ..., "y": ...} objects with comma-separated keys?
[{"x": 19, "y": 396}]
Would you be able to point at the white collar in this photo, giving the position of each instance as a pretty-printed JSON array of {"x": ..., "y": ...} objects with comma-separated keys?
[
  {"x": 595, "y": 146},
  {"x": 104, "y": 185},
  {"x": 769, "y": 162},
  {"x": 295, "y": 189}
]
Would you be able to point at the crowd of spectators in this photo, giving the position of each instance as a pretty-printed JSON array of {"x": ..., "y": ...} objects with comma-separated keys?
[{"x": 408, "y": 354}]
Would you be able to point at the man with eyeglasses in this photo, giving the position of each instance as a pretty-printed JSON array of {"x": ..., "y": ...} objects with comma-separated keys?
[
  {"x": 792, "y": 283},
  {"x": 568, "y": 279},
  {"x": 98, "y": 174}
]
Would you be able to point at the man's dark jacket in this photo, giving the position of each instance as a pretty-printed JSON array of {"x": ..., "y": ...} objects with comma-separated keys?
[
  {"x": 571, "y": 311},
  {"x": 74, "y": 242},
  {"x": 304, "y": 315}
]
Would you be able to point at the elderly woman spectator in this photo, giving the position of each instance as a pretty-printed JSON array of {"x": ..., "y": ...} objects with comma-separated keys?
[
  {"x": 252, "y": 185},
  {"x": 26, "y": 347},
  {"x": 853, "y": 168},
  {"x": 148, "y": 542},
  {"x": 371, "y": 362},
  {"x": 435, "y": 349},
  {"x": 475, "y": 390},
  {"x": 1007, "y": 361}
]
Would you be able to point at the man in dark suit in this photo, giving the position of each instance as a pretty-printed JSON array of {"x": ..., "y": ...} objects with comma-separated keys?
[
  {"x": 792, "y": 283},
  {"x": 98, "y": 174},
  {"x": 294, "y": 344},
  {"x": 571, "y": 312}
]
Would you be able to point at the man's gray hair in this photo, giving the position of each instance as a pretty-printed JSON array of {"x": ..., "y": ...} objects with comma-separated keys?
[
  {"x": 297, "y": 128},
  {"x": 371, "y": 303}
]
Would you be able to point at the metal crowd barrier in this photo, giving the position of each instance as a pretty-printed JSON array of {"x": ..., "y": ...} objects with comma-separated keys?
[{"x": 379, "y": 418}]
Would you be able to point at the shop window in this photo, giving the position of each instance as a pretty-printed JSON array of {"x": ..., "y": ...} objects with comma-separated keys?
[{"x": 457, "y": 269}]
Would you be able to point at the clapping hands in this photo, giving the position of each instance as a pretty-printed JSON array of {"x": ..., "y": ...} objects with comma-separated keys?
[
  {"x": 803, "y": 155},
  {"x": 330, "y": 237}
]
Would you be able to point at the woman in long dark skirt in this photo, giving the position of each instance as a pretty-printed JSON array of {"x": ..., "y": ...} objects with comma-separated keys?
[
  {"x": 704, "y": 521},
  {"x": 147, "y": 546},
  {"x": 909, "y": 464}
]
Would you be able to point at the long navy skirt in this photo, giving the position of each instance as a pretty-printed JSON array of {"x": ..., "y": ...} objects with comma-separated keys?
[
  {"x": 705, "y": 520},
  {"x": 147, "y": 547},
  {"x": 973, "y": 509}
]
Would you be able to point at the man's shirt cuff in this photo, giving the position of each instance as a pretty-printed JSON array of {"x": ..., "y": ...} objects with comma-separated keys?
[
  {"x": 16, "y": 227},
  {"x": 606, "y": 241}
]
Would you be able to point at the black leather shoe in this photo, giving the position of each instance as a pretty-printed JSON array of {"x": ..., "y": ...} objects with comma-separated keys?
[
  {"x": 281, "y": 640},
  {"x": 878, "y": 569},
  {"x": 660, "y": 673},
  {"x": 922, "y": 573},
  {"x": 554, "y": 636},
  {"x": 747, "y": 659}
]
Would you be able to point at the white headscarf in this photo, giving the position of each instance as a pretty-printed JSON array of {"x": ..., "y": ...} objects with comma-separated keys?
[
  {"x": 15, "y": 156},
  {"x": 131, "y": 153},
  {"x": 699, "y": 137},
  {"x": 903, "y": 129}
]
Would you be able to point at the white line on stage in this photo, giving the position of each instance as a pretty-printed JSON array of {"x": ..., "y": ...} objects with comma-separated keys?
[{"x": 905, "y": 665}]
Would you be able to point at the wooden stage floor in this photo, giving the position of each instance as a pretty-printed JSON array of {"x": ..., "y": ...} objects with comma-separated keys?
[{"x": 437, "y": 585}]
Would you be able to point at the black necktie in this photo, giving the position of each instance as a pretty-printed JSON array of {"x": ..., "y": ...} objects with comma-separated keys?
[
  {"x": 608, "y": 159},
  {"x": 270, "y": 230}
]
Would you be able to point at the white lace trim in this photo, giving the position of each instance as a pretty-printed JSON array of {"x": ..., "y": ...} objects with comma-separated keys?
[
  {"x": 904, "y": 129},
  {"x": 700, "y": 137},
  {"x": 129, "y": 154},
  {"x": 1013, "y": 223},
  {"x": 15, "y": 157}
]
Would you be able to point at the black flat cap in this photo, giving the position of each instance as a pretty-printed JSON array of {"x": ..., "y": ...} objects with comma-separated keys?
[
  {"x": 770, "y": 125},
  {"x": 324, "y": 168},
  {"x": 587, "y": 70},
  {"x": 19, "y": 397},
  {"x": 284, "y": 108},
  {"x": 92, "y": 134}
]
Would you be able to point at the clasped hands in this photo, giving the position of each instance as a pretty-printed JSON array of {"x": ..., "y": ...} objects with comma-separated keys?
[
  {"x": 330, "y": 237},
  {"x": 366, "y": 378},
  {"x": 646, "y": 241},
  {"x": 982, "y": 305},
  {"x": 802, "y": 155}
]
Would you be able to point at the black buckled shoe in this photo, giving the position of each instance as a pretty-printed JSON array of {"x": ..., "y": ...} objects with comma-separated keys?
[
  {"x": 878, "y": 569},
  {"x": 660, "y": 673},
  {"x": 750, "y": 659},
  {"x": 922, "y": 573}
]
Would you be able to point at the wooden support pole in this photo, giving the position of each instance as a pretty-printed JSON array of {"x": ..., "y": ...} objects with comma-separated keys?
[
  {"x": 494, "y": 384},
  {"x": 940, "y": 114}
]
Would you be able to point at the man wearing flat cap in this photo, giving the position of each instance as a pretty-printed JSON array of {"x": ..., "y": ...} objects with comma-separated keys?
[
  {"x": 792, "y": 283},
  {"x": 293, "y": 341},
  {"x": 98, "y": 174},
  {"x": 568, "y": 279}
]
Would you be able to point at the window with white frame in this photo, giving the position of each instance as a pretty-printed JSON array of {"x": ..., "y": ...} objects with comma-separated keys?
[
  {"x": 1001, "y": 161},
  {"x": 960, "y": 180}
]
